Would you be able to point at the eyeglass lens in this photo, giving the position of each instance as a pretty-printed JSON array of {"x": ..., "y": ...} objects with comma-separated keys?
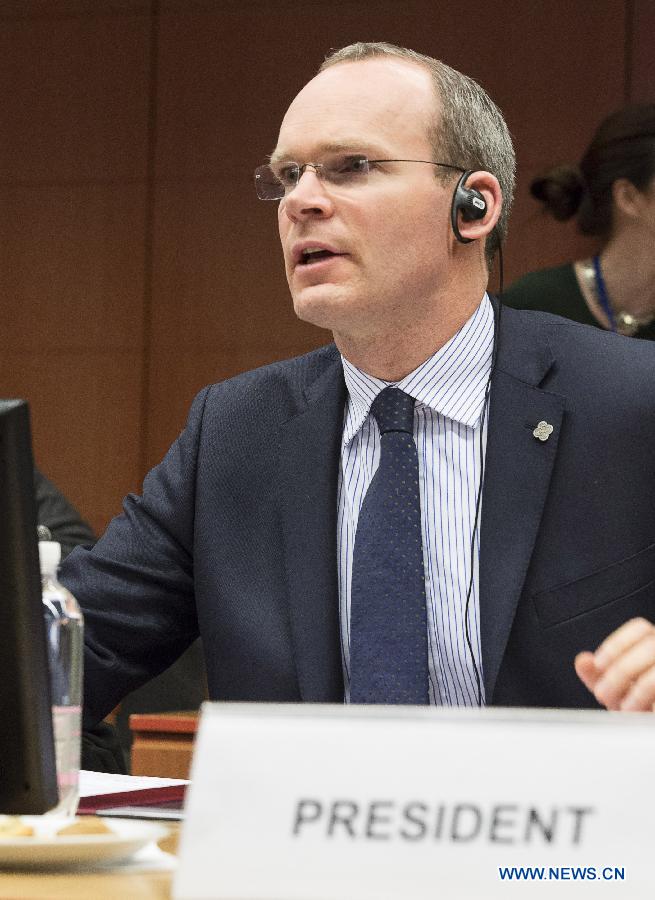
[{"x": 275, "y": 182}]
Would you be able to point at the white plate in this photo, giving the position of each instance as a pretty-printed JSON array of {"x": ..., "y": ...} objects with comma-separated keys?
[{"x": 44, "y": 849}]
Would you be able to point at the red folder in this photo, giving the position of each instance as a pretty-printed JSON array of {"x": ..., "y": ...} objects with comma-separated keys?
[{"x": 167, "y": 797}]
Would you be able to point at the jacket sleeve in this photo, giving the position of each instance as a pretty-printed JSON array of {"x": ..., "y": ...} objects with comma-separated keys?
[{"x": 136, "y": 585}]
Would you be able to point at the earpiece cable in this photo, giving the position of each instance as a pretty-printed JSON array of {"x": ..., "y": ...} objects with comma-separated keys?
[{"x": 483, "y": 419}]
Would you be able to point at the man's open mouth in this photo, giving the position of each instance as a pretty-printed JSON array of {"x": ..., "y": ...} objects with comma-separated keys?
[{"x": 312, "y": 255}]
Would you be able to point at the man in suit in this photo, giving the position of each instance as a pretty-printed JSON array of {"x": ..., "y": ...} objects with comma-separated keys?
[
  {"x": 57, "y": 514},
  {"x": 532, "y": 441}
]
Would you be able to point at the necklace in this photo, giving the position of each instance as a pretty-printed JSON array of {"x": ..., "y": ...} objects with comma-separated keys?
[{"x": 621, "y": 321}]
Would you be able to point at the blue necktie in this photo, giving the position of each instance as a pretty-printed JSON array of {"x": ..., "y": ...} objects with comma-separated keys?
[{"x": 388, "y": 626}]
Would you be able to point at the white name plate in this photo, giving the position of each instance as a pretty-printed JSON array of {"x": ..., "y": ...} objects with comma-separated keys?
[{"x": 385, "y": 803}]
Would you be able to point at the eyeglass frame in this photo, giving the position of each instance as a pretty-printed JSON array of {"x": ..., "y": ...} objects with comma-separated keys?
[{"x": 317, "y": 166}]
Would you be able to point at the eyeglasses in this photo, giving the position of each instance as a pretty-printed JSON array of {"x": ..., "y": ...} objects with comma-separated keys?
[{"x": 344, "y": 172}]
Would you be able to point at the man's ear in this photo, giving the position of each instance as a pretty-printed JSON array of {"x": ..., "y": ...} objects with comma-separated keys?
[{"x": 478, "y": 184}]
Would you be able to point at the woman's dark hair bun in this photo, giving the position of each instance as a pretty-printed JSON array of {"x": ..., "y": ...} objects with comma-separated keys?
[
  {"x": 560, "y": 190},
  {"x": 622, "y": 147}
]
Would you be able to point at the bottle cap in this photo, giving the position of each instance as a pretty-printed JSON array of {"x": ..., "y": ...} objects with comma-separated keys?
[{"x": 49, "y": 557}]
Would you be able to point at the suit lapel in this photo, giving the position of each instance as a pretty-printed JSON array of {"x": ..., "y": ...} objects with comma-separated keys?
[
  {"x": 309, "y": 463},
  {"x": 518, "y": 469}
]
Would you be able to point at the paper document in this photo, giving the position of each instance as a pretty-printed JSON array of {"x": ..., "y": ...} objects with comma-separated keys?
[{"x": 94, "y": 783}]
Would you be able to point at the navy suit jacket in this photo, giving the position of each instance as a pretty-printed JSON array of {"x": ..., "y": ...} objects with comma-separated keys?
[{"x": 234, "y": 536}]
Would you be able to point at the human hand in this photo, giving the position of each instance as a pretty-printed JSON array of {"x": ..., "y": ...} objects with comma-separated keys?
[{"x": 621, "y": 672}]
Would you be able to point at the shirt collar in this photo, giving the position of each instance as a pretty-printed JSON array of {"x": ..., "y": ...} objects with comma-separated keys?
[{"x": 452, "y": 382}]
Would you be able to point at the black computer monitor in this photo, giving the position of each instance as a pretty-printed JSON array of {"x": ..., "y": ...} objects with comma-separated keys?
[{"x": 28, "y": 781}]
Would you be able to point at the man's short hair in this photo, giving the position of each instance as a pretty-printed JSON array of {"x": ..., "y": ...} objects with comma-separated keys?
[{"x": 470, "y": 132}]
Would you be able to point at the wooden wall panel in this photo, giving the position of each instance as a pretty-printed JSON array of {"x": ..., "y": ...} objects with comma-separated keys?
[
  {"x": 72, "y": 229},
  {"x": 641, "y": 77},
  {"x": 62, "y": 9},
  {"x": 72, "y": 279},
  {"x": 74, "y": 100},
  {"x": 72, "y": 335},
  {"x": 85, "y": 421}
]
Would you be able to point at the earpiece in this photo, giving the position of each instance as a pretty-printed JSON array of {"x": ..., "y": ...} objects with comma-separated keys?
[{"x": 469, "y": 202}]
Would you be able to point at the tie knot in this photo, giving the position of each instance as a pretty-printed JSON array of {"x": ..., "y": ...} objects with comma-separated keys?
[{"x": 393, "y": 410}]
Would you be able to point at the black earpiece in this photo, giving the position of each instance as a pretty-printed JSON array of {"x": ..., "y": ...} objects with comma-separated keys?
[{"x": 469, "y": 202}]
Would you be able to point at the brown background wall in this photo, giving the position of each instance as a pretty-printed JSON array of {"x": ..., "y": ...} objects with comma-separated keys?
[{"x": 136, "y": 263}]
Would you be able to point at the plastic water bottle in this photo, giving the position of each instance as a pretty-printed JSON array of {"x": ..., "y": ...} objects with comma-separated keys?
[{"x": 64, "y": 631}]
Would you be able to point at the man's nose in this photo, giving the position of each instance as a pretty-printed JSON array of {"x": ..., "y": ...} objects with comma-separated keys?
[{"x": 308, "y": 197}]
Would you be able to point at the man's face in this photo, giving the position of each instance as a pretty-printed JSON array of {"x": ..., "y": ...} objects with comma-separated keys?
[{"x": 390, "y": 237}]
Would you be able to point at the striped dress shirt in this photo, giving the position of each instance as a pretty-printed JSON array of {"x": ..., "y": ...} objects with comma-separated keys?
[{"x": 450, "y": 434}]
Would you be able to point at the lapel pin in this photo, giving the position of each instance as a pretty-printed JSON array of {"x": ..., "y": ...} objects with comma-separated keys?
[{"x": 543, "y": 431}]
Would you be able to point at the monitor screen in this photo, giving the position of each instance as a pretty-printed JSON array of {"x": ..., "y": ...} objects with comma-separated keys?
[{"x": 28, "y": 781}]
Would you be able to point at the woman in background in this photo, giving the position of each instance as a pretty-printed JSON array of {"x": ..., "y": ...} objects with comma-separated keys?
[{"x": 612, "y": 193}]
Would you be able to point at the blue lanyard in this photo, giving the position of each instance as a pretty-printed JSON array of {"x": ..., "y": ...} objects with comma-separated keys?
[{"x": 601, "y": 289}]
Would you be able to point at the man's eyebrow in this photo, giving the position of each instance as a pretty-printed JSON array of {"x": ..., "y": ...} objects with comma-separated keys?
[
  {"x": 278, "y": 155},
  {"x": 356, "y": 145}
]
